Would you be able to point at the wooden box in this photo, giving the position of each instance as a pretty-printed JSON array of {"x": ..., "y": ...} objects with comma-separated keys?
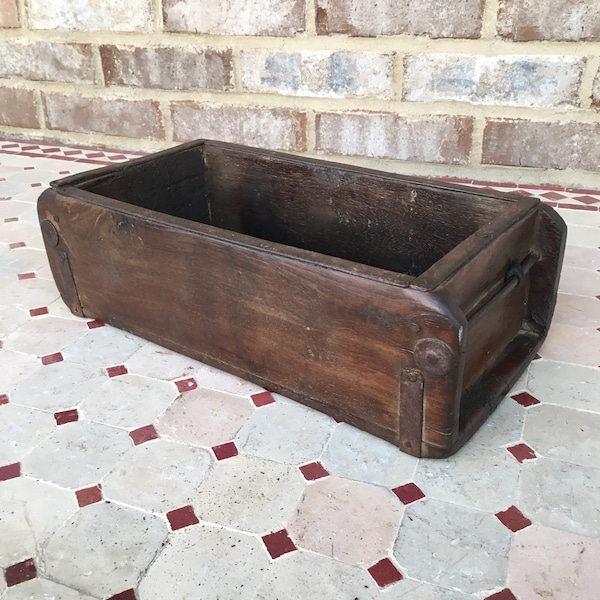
[{"x": 405, "y": 307}]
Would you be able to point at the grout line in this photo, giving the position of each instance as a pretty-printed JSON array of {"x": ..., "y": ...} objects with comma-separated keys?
[
  {"x": 588, "y": 78},
  {"x": 476, "y": 156},
  {"x": 490, "y": 19}
]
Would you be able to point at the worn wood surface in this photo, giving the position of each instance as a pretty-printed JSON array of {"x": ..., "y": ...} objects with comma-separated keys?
[{"x": 380, "y": 300}]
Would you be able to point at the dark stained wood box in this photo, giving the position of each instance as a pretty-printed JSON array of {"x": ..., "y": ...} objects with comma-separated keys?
[{"x": 404, "y": 307}]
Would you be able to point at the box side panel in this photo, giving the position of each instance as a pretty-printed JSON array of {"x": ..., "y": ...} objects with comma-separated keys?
[{"x": 335, "y": 341}]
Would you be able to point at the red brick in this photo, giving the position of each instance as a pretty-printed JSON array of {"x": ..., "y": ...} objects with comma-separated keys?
[
  {"x": 434, "y": 18},
  {"x": 47, "y": 61},
  {"x": 523, "y": 143},
  {"x": 546, "y": 81},
  {"x": 322, "y": 73},
  {"x": 17, "y": 108},
  {"x": 235, "y": 17},
  {"x": 167, "y": 68},
  {"x": 274, "y": 128},
  {"x": 528, "y": 20},
  {"x": 130, "y": 118},
  {"x": 436, "y": 139},
  {"x": 9, "y": 16},
  {"x": 90, "y": 15}
]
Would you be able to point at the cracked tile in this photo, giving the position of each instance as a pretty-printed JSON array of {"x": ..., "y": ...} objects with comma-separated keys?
[
  {"x": 158, "y": 362},
  {"x": 43, "y": 589},
  {"x": 21, "y": 429}
]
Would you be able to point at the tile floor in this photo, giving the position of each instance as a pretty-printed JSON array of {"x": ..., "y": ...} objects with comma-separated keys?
[{"x": 130, "y": 472}]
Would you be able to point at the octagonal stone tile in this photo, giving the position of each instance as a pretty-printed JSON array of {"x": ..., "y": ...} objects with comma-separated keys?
[
  {"x": 571, "y": 386},
  {"x": 300, "y": 575},
  {"x": 29, "y": 293},
  {"x": 21, "y": 429},
  {"x": 477, "y": 476},
  {"x": 503, "y": 426},
  {"x": 453, "y": 546},
  {"x": 158, "y": 476},
  {"x": 128, "y": 401},
  {"x": 205, "y": 417},
  {"x": 15, "y": 368},
  {"x": 57, "y": 386},
  {"x": 11, "y": 319},
  {"x": 23, "y": 260},
  {"x": 160, "y": 363},
  {"x": 207, "y": 562},
  {"x": 104, "y": 548},
  {"x": 580, "y": 311},
  {"x": 288, "y": 433},
  {"x": 44, "y": 589},
  {"x": 410, "y": 589},
  {"x": 565, "y": 434},
  {"x": 103, "y": 347},
  {"x": 553, "y": 564},
  {"x": 77, "y": 455},
  {"x": 337, "y": 518},
  {"x": 209, "y": 377},
  {"x": 571, "y": 344},
  {"x": 355, "y": 454},
  {"x": 30, "y": 511},
  {"x": 561, "y": 495},
  {"x": 250, "y": 494}
]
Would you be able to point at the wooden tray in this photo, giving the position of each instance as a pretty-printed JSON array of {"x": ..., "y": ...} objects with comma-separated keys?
[{"x": 404, "y": 307}]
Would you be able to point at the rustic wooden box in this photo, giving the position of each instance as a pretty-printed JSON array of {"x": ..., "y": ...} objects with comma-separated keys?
[{"x": 405, "y": 307}]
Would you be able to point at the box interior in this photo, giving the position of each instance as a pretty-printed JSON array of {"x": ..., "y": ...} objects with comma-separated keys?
[{"x": 374, "y": 219}]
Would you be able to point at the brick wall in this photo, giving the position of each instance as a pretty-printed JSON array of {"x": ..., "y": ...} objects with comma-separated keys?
[{"x": 486, "y": 89}]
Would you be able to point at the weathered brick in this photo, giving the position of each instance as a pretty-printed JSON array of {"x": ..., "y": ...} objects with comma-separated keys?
[
  {"x": 437, "y": 139},
  {"x": 274, "y": 128},
  {"x": 522, "y": 143},
  {"x": 502, "y": 80},
  {"x": 528, "y": 20},
  {"x": 47, "y": 61},
  {"x": 90, "y": 15},
  {"x": 166, "y": 68},
  {"x": 9, "y": 16},
  {"x": 129, "y": 118},
  {"x": 235, "y": 17},
  {"x": 318, "y": 73},
  {"x": 434, "y": 18},
  {"x": 17, "y": 108}
]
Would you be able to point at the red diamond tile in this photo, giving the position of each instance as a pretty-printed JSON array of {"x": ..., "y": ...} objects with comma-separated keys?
[
  {"x": 525, "y": 399},
  {"x": 17, "y": 245},
  {"x": 278, "y": 543},
  {"x": 49, "y": 150},
  {"x": 409, "y": 493},
  {"x": 126, "y": 595},
  {"x": 95, "y": 324},
  {"x": 95, "y": 154},
  {"x": 553, "y": 196},
  {"x": 224, "y": 451},
  {"x": 66, "y": 416},
  {"x": 37, "y": 312},
  {"x": 385, "y": 573},
  {"x": 64, "y": 172},
  {"x": 537, "y": 357},
  {"x": 90, "y": 495},
  {"x": 116, "y": 371},
  {"x": 587, "y": 199},
  {"x": 23, "y": 571},
  {"x": 522, "y": 452},
  {"x": 182, "y": 517},
  {"x": 143, "y": 434},
  {"x": 262, "y": 399},
  {"x": 34, "y": 185},
  {"x": 50, "y": 359},
  {"x": 11, "y": 219},
  {"x": 3, "y": 399},
  {"x": 22, "y": 276},
  {"x": 314, "y": 470},
  {"x": 185, "y": 385},
  {"x": 10, "y": 471},
  {"x": 578, "y": 206},
  {"x": 513, "y": 519},
  {"x": 504, "y": 594},
  {"x": 25, "y": 148}
]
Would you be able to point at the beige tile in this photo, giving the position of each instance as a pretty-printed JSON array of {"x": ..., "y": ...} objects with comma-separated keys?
[
  {"x": 571, "y": 344},
  {"x": 579, "y": 311}
]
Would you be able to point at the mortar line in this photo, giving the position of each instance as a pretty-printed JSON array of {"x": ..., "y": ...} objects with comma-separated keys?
[{"x": 490, "y": 19}]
